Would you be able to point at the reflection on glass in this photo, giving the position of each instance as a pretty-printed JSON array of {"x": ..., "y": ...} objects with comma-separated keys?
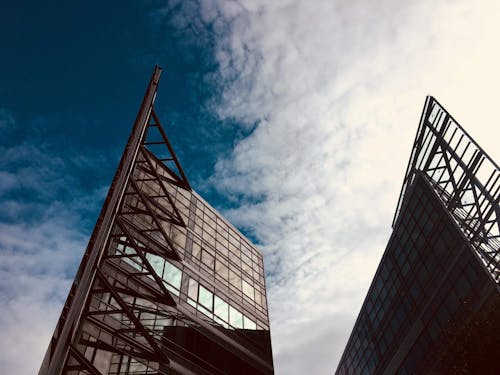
[
  {"x": 216, "y": 308},
  {"x": 156, "y": 262},
  {"x": 221, "y": 308},
  {"x": 248, "y": 323},
  {"x": 205, "y": 298},
  {"x": 193, "y": 290},
  {"x": 235, "y": 317},
  {"x": 235, "y": 279},
  {"x": 221, "y": 270},
  {"x": 207, "y": 259},
  {"x": 173, "y": 275},
  {"x": 248, "y": 290}
]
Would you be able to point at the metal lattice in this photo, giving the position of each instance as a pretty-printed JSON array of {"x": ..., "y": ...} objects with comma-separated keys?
[
  {"x": 464, "y": 176},
  {"x": 123, "y": 316},
  {"x": 137, "y": 214}
]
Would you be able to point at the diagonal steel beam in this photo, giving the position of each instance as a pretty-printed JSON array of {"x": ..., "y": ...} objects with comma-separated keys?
[
  {"x": 138, "y": 325},
  {"x": 67, "y": 326},
  {"x": 169, "y": 300},
  {"x": 155, "y": 218}
]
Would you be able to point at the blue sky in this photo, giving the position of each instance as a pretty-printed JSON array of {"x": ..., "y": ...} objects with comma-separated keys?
[
  {"x": 294, "y": 118},
  {"x": 73, "y": 77}
]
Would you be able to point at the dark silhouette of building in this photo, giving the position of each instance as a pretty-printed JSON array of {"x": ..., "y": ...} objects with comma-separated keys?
[
  {"x": 166, "y": 285},
  {"x": 434, "y": 304}
]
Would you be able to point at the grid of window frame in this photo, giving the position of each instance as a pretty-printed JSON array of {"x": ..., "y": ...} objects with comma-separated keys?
[
  {"x": 217, "y": 252},
  {"x": 424, "y": 244},
  {"x": 222, "y": 253},
  {"x": 217, "y": 308}
]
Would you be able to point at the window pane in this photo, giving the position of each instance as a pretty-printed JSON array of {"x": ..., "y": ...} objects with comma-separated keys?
[
  {"x": 156, "y": 262},
  {"x": 119, "y": 246},
  {"x": 248, "y": 290},
  {"x": 172, "y": 275},
  {"x": 248, "y": 323},
  {"x": 205, "y": 311},
  {"x": 235, "y": 279},
  {"x": 222, "y": 248},
  {"x": 247, "y": 268},
  {"x": 235, "y": 317},
  {"x": 193, "y": 289},
  {"x": 171, "y": 289},
  {"x": 221, "y": 322},
  {"x": 221, "y": 308},
  {"x": 258, "y": 298},
  {"x": 207, "y": 259},
  {"x": 196, "y": 252},
  {"x": 221, "y": 270},
  {"x": 133, "y": 261},
  {"x": 179, "y": 238},
  {"x": 205, "y": 298}
]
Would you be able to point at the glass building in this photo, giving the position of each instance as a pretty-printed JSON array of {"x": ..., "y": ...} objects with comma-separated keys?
[
  {"x": 434, "y": 304},
  {"x": 166, "y": 285}
]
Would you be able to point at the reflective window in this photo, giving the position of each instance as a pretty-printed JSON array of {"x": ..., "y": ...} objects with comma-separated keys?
[
  {"x": 207, "y": 259},
  {"x": 156, "y": 262},
  {"x": 248, "y": 290},
  {"x": 196, "y": 251},
  {"x": 235, "y": 279},
  {"x": 221, "y": 309},
  {"x": 205, "y": 298},
  {"x": 235, "y": 317},
  {"x": 221, "y": 269},
  {"x": 173, "y": 276},
  {"x": 193, "y": 290},
  {"x": 248, "y": 323}
]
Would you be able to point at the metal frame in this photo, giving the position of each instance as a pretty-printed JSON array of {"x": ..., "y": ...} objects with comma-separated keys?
[
  {"x": 118, "y": 303},
  {"x": 434, "y": 251},
  {"x": 466, "y": 179},
  {"x": 101, "y": 272}
]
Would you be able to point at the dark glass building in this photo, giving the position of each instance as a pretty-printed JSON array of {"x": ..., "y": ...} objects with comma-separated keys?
[
  {"x": 166, "y": 285},
  {"x": 434, "y": 304}
]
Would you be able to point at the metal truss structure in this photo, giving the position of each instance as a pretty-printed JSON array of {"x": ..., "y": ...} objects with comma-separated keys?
[
  {"x": 466, "y": 179},
  {"x": 119, "y": 308},
  {"x": 108, "y": 294}
]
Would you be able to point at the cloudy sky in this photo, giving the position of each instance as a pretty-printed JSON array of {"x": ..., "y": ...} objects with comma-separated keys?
[{"x": 294, "y": 118}]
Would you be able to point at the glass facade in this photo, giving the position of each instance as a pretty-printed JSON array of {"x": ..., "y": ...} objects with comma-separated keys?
[
  {"x": 217, "y": 260},
  {"x": 167, "y": 285},
  {"x": 426, "y": 280},
  {"x": 429, "y": 307},
  {"x": 213, "y": 274}
]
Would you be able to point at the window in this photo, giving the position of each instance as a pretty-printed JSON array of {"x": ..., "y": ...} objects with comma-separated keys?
[
  {"x": 193, "y": 290},
  {"x": 179, "y": 237},
  {"x": 248, "y": 323},
  {"x": 247, "y": 268},
  {"x": 235, "y": 279},
  {"x": 156, "y": 262},
  {"x": 196, "y": 252},
  {"x": 205, "y": 298},
  {"x": 248, "y": 290},
  {"x": 207, "y": 259},
  {"x": 221, "y": 269},
  {"x": 235, "y": 317},
  {"x": 258, "y": 298},
  {"x": 173, "y": 276},
  {"x": 221, "y": 309}
]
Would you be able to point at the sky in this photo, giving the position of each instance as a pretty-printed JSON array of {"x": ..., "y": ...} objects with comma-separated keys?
[{"x": 294, "y": 118}]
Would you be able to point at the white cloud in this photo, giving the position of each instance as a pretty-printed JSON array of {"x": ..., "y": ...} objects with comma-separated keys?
[
  {"x": 35, "y": 282},
  {"x": 336, "y": 89},
  {"x": 41, "y": 242}
]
